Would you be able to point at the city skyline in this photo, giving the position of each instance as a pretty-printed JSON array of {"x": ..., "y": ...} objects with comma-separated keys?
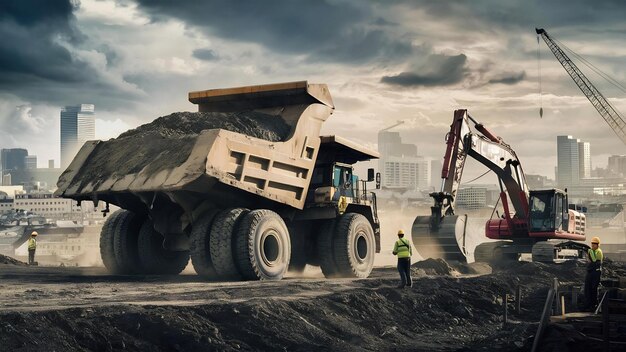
[{"x": 414, "y": 61}]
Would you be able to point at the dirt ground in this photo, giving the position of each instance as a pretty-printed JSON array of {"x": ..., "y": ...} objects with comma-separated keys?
[{"x": 449, "y": 308}]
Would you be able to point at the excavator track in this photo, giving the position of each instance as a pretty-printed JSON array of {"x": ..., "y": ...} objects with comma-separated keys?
[
  {"x": 440, "y": 243},
  {"x": 495, "y": 252},
  {"x": 551, "y": 251}
]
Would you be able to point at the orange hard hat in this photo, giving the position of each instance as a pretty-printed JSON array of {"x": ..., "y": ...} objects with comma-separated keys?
[
  {"x": 34, "y": 233},
  {"x": 595, "y": 240}
]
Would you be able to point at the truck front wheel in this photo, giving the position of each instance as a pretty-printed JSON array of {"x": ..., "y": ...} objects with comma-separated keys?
[
  {"x": 154, "y": 258},
  {"x": 354, "y": 246},
  {"x": 263, "y": 248}
]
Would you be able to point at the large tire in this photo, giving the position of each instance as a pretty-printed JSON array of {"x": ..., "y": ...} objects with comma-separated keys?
[
  {"x": 222, "y": 243},
  {"x": 200, "y": 246},
  {"x": 325, "y": 248},
  {"x": 263, "y": 247},
  {"x": 125, "y": 242},
  {"x": 107, "y": 235},
  {"x": 154, "y": 258},
  {"x": 299, "y": 237},
  {"x": 354, "y": 246}
]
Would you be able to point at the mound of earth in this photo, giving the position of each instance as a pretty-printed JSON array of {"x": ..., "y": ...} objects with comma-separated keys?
[
  {"x": 10, "y": 261},
  {"x": 440, "y": 312},
  {"x": 432, "y": 266},
  {"x": 167, "y": 142}
]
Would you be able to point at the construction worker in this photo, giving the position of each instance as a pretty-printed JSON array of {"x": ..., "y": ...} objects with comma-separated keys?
[
  {"x": 594, "y": 270},
  {"x": 32, "y": 246},
  {"x": 403, "y": 250}
]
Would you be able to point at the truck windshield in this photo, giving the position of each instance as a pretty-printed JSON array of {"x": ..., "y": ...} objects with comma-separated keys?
[{"x": 542, "y": 212}]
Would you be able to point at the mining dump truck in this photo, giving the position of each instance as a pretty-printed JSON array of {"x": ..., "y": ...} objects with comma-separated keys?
[{"x": 246, "y": 187}]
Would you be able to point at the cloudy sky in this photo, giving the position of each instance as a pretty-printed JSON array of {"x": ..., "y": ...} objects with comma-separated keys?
[{"x": 384, "y": 61}]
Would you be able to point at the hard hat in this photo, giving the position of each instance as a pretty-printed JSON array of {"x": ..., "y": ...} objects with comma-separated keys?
[
  {"x": 34, "y": 233},
  {"x": 400, "y": 232},
  {"x": 595, "y": 240}
]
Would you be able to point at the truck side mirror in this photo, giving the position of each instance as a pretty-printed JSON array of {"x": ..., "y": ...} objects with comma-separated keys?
[
  {"x": 378, "y": 180},
  {"x": 370, "y": 175}
]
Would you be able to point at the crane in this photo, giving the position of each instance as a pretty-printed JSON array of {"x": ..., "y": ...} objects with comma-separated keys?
[
  {"x": 606, "y": 110},
  {"x": 400, "y": 122}
]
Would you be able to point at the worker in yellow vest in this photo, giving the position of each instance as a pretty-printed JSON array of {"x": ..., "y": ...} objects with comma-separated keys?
[
  {"x": 594, "y": 271},
  {"x": 403, "y": 250},
  {"x": 32, "y": 246}
]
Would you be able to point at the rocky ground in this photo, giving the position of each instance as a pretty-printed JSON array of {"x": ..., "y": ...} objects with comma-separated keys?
[{"x": 449, "y": 308}]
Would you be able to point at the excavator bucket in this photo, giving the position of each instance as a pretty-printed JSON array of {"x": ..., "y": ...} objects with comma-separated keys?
[{"x": 438, "y": 240}]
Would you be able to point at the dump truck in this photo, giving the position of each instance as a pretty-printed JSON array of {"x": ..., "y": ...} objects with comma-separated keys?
[{"x": 241, "y": 205}]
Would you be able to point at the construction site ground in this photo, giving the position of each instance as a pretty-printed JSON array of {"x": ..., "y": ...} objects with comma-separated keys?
[{"x": 449, "y": 308}]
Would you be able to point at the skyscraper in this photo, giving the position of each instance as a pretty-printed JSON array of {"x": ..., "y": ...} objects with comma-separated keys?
[
  {"x": 568, "y": 161},
  {"x": 31, "y": 162},
  {"x": 78, "y": 125},
  {"x": 13, "y": 159},
  {"x": 584, "y": 159}
]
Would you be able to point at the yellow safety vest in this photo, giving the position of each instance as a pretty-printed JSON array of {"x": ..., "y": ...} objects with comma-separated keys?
[
  {"x": 32, "y": 243},
  {"x": 596, "y": 255},
  {"x": 403, "y": 248}
]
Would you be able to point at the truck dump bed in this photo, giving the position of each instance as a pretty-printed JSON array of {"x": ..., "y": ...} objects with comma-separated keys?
[{"x": 255, "y": 141}]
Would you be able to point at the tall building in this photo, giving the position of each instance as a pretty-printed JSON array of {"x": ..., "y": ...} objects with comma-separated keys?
[
  {"x": 584, "y": 159},
  {"x": 13, "y": 159},
  {"x": 435, "y": 174},
  {"x": 31, "y": 162},
  {"x": 617, "y": 165},
  {"x": 78, "y": 125},
  {"x": 568, "y": 162},
  {"x": 401, "y": 167}
]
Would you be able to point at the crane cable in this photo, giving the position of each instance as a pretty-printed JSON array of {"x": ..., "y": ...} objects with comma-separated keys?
[
  {"x": 539, "y": 75},
  {"x": 595, "y": 69}
]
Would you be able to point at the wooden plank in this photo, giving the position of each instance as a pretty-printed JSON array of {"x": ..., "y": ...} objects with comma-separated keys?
[{"x": 544, "y": 319}]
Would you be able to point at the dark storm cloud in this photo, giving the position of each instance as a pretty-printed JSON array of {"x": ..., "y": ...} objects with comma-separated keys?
[
  {"x": 205, "y": 54},
  {"x": 509, "y": 78},
  {"x": 437, "y": 70},
  {"x": 496, "y": 14},
  {"x": 322, "y": 30},
  {"x": 35, "y": 65}
]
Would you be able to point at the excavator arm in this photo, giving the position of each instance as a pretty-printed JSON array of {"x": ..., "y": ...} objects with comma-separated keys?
[{"x": 436, "y": 234}]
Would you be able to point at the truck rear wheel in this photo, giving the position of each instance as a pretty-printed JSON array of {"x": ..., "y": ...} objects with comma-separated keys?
[
  {"x": 263, "y": 248},
  {"x": 354, "y": 246},
  {"x": 125, "y": 242},
  {"x": 222, "y": 242},
  {"x": 325, "y": 245},
  {"x": 200, "y": 246},
  {"x": 107, "y": 234},
  {"x": 154, "y": 258}
]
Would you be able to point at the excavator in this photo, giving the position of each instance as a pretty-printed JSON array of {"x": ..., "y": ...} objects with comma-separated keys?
[{"x": 540, "y": 222}]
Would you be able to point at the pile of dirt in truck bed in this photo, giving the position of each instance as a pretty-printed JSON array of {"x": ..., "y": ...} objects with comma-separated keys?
[
  {"x": 10, "y": 261},
  {"x": 440, "y": 313},
  {"x": 167, "y": 142}
]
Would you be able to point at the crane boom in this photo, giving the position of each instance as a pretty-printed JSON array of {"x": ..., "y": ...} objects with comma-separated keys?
[{"x": 606, "y": 110}]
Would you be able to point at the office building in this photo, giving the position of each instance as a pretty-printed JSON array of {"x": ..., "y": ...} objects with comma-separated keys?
[
  {"x": 401, "y": 168},
  {"x": 78, "y": 125},
  {"x": 584, "y": 159},
  {"x": 13, "y": 159},
  {"x": 31, "y": 162},
  {"x": 617, "y": 165},
  {"x": 568, "y": 162}
]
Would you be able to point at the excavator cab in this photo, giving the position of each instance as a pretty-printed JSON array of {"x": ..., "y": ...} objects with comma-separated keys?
[{"x": 548, "y": 211}]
